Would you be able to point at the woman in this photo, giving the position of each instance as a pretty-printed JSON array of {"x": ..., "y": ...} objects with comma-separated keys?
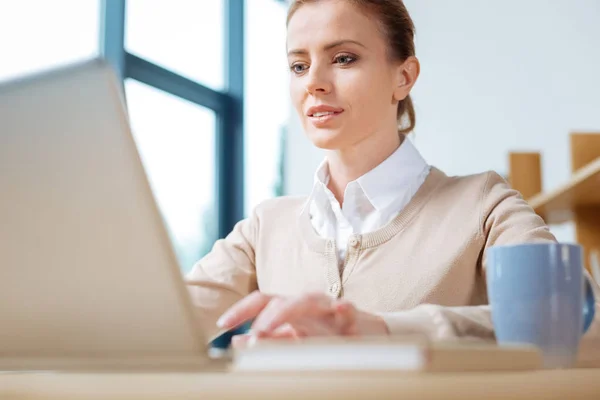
[{"x": 385, "y": 243}]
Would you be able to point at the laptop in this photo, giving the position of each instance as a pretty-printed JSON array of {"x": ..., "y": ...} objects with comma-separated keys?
[{"x": 88, "y": 275}]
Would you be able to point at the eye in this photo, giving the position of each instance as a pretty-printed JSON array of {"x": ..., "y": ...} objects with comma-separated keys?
[
  {"x": 345, "y": 59},
  {"x": 298, "y": 68}
]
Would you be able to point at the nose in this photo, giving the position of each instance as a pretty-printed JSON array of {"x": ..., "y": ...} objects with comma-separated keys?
[{"x": 317, "y": 81}]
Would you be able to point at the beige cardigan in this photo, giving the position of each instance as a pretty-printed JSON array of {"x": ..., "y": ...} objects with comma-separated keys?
[{"x": 423, "y": 272}]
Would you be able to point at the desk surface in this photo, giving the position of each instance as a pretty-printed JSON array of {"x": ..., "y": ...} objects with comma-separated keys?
[{"x": 567, "y": 384}]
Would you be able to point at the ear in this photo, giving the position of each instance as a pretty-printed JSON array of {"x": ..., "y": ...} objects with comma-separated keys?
[{"x": 406, "y": 76}]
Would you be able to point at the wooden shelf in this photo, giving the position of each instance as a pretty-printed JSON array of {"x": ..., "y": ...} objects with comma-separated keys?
[
  {"x": 582, "y": 190},
  {"x": 577, "y": 200}
]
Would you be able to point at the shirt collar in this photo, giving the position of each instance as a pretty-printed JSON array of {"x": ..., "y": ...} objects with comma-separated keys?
[
  {"x": 321, "y": 193},
  {"x": 387, "y": 181},
  {"x": 319, "y": 189},
  {"x": 404, "y": 165}
]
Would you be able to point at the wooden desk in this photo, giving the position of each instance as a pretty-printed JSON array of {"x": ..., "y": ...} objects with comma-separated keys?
[{"x": 568, "y": 384}]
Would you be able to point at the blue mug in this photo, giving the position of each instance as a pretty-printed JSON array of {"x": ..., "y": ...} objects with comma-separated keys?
[{"x": 539, "y": 295}]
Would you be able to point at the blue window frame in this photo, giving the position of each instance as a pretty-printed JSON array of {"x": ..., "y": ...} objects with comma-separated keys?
[{"x": 227, "y": 104}]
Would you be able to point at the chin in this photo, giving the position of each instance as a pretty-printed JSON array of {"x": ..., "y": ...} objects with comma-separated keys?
[{"x": 326, "y": 139}]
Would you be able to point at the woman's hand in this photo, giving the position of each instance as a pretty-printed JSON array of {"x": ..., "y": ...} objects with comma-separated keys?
[{"x": 313, "y": 314}]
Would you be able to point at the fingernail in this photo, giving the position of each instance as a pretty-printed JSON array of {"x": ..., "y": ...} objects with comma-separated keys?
[
  {"x": 251, "y": 341},
  {"x": 256, "y": 331},
  {"x": 222, "y": 321}
]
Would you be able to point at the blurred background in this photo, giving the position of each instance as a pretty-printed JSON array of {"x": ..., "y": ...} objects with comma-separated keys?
[{"x": 206, "y": 89}]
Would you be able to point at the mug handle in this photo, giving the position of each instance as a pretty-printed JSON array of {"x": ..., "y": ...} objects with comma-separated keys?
[{"x": 589, "y": 306}]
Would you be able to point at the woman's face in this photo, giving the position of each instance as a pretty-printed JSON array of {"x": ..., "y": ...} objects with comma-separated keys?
[{"x": 343, "y": 84}]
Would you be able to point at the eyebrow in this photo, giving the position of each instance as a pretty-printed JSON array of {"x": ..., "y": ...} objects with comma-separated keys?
[{"x": 327, "y": 47}]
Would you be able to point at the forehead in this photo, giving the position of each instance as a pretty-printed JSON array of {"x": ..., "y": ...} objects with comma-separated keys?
[{"x": 324, "y": 21}]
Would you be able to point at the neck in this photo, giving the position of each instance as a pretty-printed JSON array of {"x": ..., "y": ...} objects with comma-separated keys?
[{"x": 348, "y": 164}]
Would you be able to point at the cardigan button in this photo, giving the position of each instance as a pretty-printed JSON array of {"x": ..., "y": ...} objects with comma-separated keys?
[
  {"x": 353, "y": 242},
  {"x": 334, "y": 288}
]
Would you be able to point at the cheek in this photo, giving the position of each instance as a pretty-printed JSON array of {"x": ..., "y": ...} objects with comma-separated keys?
[{"x": 368, "y": 95}]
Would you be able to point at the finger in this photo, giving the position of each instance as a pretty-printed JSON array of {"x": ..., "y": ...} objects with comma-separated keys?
[
  {"x": 346, "y": 317},
  {"x": 240, "y": 341},
  {"x": 303, "y": 327},
  {"x": 286, "y": 331},
  {"x": 314, "y": 305},
  {"x": 274, "y": 307},
  {"x": 283, "y": 332},
  {"x": 311, "y": 326},
  {"x": 316, "y": 326},
  {"x": 244, "y": 310}
]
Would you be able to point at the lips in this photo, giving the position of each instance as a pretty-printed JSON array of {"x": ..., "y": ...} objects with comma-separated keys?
[
  {"x": 322, "y": 115},
  {"x": 323, "y": 110}
]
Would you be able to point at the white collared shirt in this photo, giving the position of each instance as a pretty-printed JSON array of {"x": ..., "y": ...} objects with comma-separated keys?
[{"x": 371, "y": 201}]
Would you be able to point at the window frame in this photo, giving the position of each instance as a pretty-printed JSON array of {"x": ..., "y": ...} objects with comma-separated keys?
[{"x": 228, "y": 104}]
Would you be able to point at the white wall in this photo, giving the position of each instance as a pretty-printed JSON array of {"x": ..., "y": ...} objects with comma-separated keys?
[{"x": 497, "y": 76}]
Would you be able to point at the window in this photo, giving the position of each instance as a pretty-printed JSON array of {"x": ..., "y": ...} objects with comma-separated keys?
[
  {"x": 184, "y": 36},
  {"x": 176, "y": 141},
  {"x": 188, "y": 65},
  {"x": 37, "y": 35}
]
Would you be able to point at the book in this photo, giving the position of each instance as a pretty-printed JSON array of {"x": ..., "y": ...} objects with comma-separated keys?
[{"x": 415, "y": 354}]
